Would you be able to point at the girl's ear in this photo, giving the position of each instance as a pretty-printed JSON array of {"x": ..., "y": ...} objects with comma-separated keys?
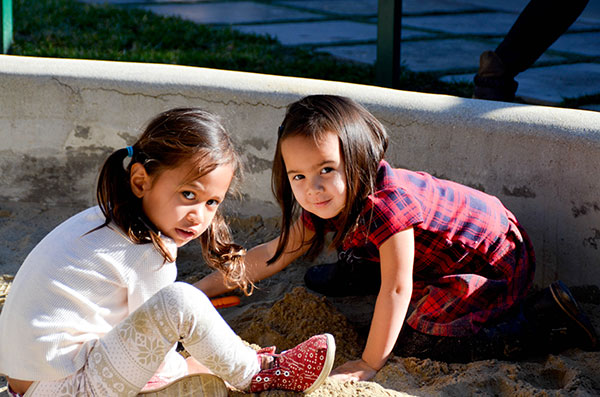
[{"x": 139, "y": 180}]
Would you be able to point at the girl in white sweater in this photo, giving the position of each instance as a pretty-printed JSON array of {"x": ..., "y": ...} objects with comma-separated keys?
[{"x": 95, "y": 310}]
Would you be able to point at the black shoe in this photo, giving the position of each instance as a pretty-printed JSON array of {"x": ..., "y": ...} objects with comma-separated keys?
[
  {"x": 343, "y": 279},
  {"x": 492, "y": 81},
  {"x": 579, "y": 323},
  {"x": 556, "y": 321}
]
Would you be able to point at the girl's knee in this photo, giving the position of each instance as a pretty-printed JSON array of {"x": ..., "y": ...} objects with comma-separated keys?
[
  {"x": 180, "y": 287},
  {"x": 184, "y": 295}
]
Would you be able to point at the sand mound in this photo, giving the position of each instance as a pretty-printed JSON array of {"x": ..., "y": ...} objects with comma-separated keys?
[{"x": 295, "y": 318}]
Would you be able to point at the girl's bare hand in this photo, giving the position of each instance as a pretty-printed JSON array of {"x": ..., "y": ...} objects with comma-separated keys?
[{"x": 357, "y": 370}]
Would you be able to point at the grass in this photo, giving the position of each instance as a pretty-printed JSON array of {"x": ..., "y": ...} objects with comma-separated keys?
[{"x": 69, "y": 29}]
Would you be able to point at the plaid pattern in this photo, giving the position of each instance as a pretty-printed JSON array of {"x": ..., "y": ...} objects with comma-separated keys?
[{"x": 472, "y": 259}]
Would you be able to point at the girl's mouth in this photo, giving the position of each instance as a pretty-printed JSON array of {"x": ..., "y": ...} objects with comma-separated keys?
[
  {"x": 322, "y": 203},
  {"x": 185, "y": 234}
]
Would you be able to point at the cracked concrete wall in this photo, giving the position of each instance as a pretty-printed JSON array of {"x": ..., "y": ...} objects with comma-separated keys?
[{"x": 60, "y": 118}]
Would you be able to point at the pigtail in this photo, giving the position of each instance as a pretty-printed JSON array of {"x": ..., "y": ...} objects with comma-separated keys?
[
  {"x": 223, "y": 255},
  {"x": 113, "y": 190},
  {"x": 113, "y": 193}
]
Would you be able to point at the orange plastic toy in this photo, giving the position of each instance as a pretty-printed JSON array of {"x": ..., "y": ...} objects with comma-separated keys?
[{"x": 226, "y": 301}]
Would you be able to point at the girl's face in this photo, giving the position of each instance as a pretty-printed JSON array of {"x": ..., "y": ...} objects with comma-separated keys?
[
  {"x": 179, "y": 208},
  {"x": 316, "y": 173}
]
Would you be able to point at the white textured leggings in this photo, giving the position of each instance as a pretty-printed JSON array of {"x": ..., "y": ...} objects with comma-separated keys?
[{"x": 123, "y": 360}]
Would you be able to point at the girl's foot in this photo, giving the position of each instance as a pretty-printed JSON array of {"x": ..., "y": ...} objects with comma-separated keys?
[
  {"x": 341, "y": 278},
  {"x": 303, "y": 368},
  {"x": 582, "y": 327},
  {"x": 197, "y": 385}
]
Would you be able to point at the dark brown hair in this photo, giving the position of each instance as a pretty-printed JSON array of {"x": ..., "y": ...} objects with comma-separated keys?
[
  {"x": 170, "y": 139},
  {"x": 363, "y": 142}
]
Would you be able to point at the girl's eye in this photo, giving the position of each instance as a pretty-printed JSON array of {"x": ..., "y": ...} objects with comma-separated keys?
[
  {"x": 212, "y": 202},
  {"x": 298, "y": 177},
  {"x": 326, "y": 170},
  {"x": 188, "y": 195}
]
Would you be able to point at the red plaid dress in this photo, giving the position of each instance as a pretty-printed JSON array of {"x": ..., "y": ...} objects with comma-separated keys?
[{"x": 472, "y": 259}]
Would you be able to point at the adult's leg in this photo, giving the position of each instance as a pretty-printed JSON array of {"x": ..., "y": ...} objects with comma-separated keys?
[
  {"x": 539, "y": 25},
  {"x": 123, "y": 361}
]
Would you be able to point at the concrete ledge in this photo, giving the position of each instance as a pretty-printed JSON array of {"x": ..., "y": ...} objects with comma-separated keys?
[{"x": 60, "y": 118}]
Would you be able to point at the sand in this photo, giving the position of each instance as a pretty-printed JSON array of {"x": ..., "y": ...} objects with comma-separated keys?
[
  {"x": 283, "y": 313},
  {"x": 300, "y": 314}
]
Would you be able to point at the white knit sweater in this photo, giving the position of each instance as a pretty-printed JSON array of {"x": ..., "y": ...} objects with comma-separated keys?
[{"x": 73, "y": 288}]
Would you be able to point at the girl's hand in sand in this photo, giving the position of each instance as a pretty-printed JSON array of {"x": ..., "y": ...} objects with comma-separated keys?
[{"x": 353, "y": 370}]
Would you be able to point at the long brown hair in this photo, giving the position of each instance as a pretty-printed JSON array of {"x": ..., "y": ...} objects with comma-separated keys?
[
  {"x": 171, "y": 138},
  {"x": 363, "y": 142}
]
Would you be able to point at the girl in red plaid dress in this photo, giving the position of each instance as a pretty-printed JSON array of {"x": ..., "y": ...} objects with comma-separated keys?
[{"x": 450, "y": 265}]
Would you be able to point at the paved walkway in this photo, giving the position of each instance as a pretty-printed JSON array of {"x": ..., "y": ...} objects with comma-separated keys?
[{"x": 440, "y": 36}]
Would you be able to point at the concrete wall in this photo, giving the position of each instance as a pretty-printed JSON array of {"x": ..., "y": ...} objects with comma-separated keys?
[{"x": 60, "y": 118}]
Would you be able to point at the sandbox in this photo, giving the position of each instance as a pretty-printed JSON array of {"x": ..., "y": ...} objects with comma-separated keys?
[
  {"x": 283, "y": 313},
  {"x": 60, "y": 118}
]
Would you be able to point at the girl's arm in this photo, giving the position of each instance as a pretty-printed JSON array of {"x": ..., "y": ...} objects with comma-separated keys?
[
  {"x": 397, "y": 257},
  {"x": 257, "y": 257}
]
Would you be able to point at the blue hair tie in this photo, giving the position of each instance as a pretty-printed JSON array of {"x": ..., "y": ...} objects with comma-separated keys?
[{"x": 129, "y": 151}]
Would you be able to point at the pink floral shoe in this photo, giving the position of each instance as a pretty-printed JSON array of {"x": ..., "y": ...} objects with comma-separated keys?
[{"x": 303, "y": 368}]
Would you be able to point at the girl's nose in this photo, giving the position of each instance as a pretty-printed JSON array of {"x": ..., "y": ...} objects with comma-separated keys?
[
  {"x": 194, "y": 216},
  {"x": 316, "y": 185}
]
